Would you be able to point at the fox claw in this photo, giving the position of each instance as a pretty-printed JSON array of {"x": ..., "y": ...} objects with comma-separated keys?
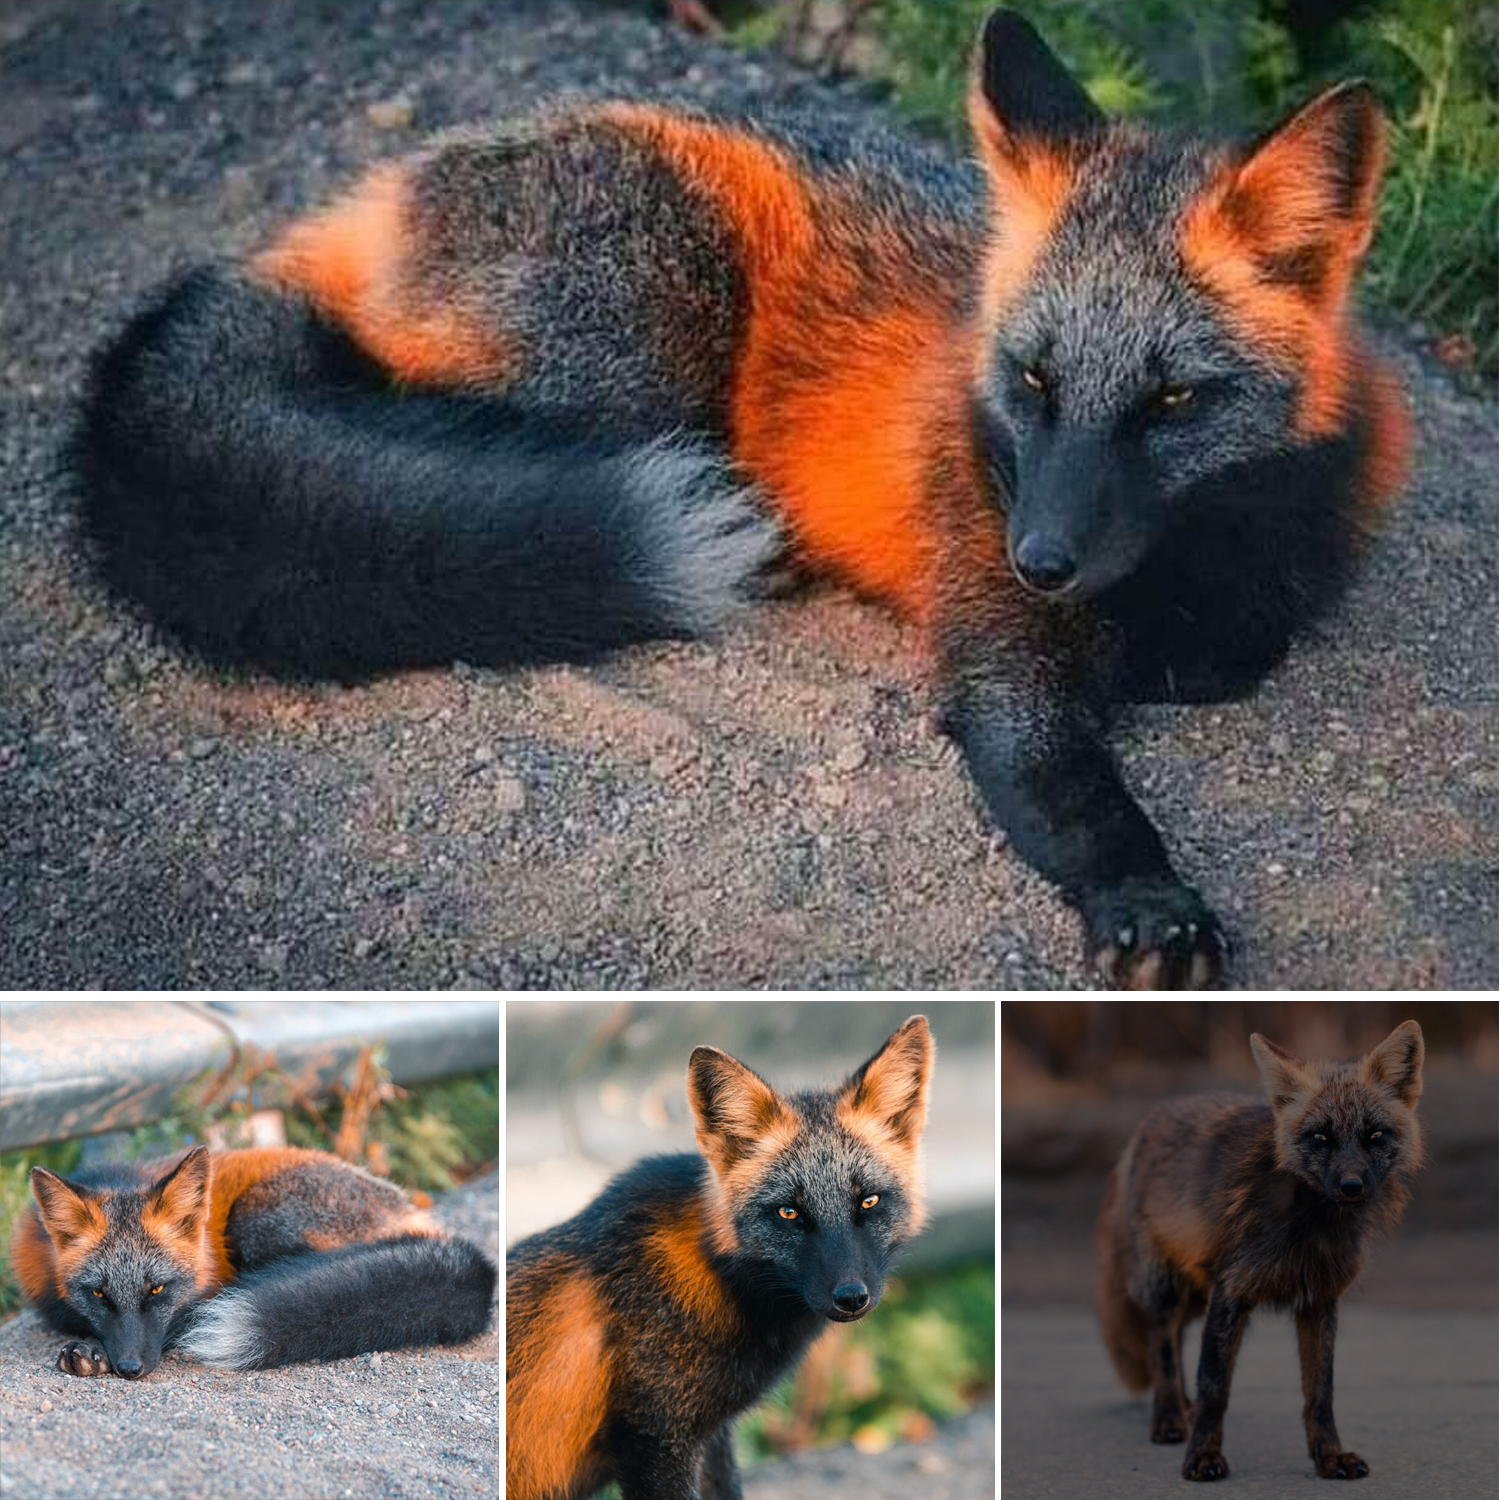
[
  {"x": 83, "y": 1359},
  {"x": 1165, "y": 938}
]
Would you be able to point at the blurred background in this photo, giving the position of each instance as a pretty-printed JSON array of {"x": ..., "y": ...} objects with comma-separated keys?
[
  {"x": 1077, "y": 1077},
  {"x": 593, "y": 1086}
]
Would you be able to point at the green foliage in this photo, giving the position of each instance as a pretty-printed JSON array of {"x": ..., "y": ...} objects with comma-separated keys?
[
  {"x": 440, "y": 1129},
  {"x": 927, "y": 1351},
  {"x": 1230, "y": 65},
  {"x": 15, "y": 1195}
]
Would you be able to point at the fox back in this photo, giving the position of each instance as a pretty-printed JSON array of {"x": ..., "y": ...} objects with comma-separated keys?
[{"x": 641, "y": 1327}]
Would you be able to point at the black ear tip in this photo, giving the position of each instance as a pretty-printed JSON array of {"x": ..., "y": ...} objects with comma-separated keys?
[{"x": 1006, "y": 32}]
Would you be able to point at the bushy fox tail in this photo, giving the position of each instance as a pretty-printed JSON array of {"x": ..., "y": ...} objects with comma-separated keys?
[
  {"x": 250, "y": 476},
  {"x": 1123, "y": 1323},
  {"x": 331, "y": 1304}
]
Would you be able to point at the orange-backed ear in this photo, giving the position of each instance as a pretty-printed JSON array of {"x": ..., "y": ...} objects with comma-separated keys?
[
  {"x": 178, "y": 1205},
  {"x": 737, "y": 1114},
  {"x": 1317, "y": 174},
  {"x": 1027, "y": 112},
  {"x": 888, "y": 1095},
  {"x": 71, "y": 1215},
  {"x": 1302, "y": 199}
]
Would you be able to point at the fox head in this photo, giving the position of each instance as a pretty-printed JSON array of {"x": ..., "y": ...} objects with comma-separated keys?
[
  {"x": 1157, "y": 313},
  {"x": 129, "y": 1261},
  {"x": 1348, "y": 1129},
  {"x": 819, "y": 1188}
]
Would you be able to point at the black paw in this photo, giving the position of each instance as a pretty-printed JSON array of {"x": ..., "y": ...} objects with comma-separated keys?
[
  {"x": 1153, "y": 935},
  {"x": 1169, "y": 1429},
  {"x": 1342, "y": 1466},
  {"x": 83, "y": 1359},
  {"x": 1205, "y": 1463}
]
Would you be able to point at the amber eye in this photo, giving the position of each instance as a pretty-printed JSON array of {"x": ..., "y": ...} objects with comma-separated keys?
[
  {"x": 1375, "y": 1135},
  {"x": 156, "y": 1289},
  {"x": 787, "y": 1213},
  {"x": 1033, "y": 379},
  {"x": 1318, "y": 1137},
  {"x": 1174, "y": 397},
  {"x": 871, "y": 1201},
  {"x": 97, "y": 1292}
]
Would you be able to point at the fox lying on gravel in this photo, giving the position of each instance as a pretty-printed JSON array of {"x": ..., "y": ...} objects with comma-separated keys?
[
  {"x": 1098, "y": 417},
  {"x": 1226, "y": 1204},
  {"x": 642, "y": 1327},
  {"x": 243, "y": 1258}
]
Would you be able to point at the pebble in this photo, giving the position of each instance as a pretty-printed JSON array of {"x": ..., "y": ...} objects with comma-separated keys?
[{"x": 395, "y": 113}]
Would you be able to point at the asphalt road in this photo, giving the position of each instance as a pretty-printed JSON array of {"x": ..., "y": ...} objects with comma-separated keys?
[
  {"x": 771, "y": 809},
  {"x": 1414, "y": 1395}
]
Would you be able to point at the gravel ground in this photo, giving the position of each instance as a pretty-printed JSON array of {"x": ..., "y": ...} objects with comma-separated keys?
[
  {"x": 770, "y": 809},
  {"x": 411, "y": 1425}
]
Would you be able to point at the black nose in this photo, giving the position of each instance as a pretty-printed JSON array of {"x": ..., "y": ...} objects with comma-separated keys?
[
  {"x": 129, "y": 1368},
  {"x": 1351, "y": 1187},
  {"x": 1043, "y": 565},
  {"x": 851, "y": 1297}
]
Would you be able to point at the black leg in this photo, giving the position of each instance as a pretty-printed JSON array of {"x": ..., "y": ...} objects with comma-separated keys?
[
  {"x": 1223, "y": 1329},
  {"x": 1316, "y": 1328},
  {"x": 720, "y": 1475}
]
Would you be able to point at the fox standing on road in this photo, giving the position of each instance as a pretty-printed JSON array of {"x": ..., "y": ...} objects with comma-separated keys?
[
  {"x": 639, "y": 1329},
  {"x": 1096, "y": 415},
  {"x": 245, "y": 1259},
  {"x": 1229, "y": 1204}
]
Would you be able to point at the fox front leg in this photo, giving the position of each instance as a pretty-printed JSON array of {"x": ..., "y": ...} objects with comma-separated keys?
[
  {"x": 1053, "y": 787},
  {"x": 83, "y": 1358},
  {"x": 1316, "y": 1327}
]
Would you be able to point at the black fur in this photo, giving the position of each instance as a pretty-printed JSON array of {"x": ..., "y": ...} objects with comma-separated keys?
[
  {"x": 399, "y": 1293},
  {"x": 251, "y": 478}
]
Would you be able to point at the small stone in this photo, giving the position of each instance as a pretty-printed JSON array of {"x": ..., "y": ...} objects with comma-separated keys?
[
  {"x": 509, "y": 794},
  {"x": 395, "y": 113},
  {"x": 201, "y": 748},
  {"x": 850, "y": 756},
  {"x": 830, "y": 793}
]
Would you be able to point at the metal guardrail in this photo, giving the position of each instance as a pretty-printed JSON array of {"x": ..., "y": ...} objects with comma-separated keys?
[{"x": 74, "y": 1067}]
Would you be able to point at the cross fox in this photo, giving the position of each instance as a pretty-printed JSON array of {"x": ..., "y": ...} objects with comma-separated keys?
[
  {"x": 1094, "y": 412},
  {"x": 1230, "y": 1203},
  {"x": 245, "y": 1259},
  {"x": 639, "y": 1329}
]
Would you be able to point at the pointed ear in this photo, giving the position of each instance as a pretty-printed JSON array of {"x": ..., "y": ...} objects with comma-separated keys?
[
  {"x": 1286, "y": 1077},
  {"x": 178, "y": 1205},
  {"x": 737, "y": 1114},
  {"x": 71, "y": 1215},
  {"x": 887, "y": 1097},
  {"x": 1396, "y": 1063},
  {"x": 1019, "y": 92},
  {"x": 1312, "y": 181}
]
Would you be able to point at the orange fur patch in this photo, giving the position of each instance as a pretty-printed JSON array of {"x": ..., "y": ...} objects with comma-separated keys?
[
  {"x": 556, "y": 1378},
  {"x": 677, "y": 1249},
  {"x": 1030, "y": 186},
  {"x": 47, "y": 1250},
  {"x": 887, "y": 1107},
  {"x": 353, "y": 261},
  {"x": 842, "y": 454},
  {"x": 1285, "y": 203}
]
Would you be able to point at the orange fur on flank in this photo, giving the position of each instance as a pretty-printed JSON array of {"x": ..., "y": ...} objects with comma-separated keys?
[
  {"x": 556, "y": 1383},
  {"x": 353, "y": 260}
]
